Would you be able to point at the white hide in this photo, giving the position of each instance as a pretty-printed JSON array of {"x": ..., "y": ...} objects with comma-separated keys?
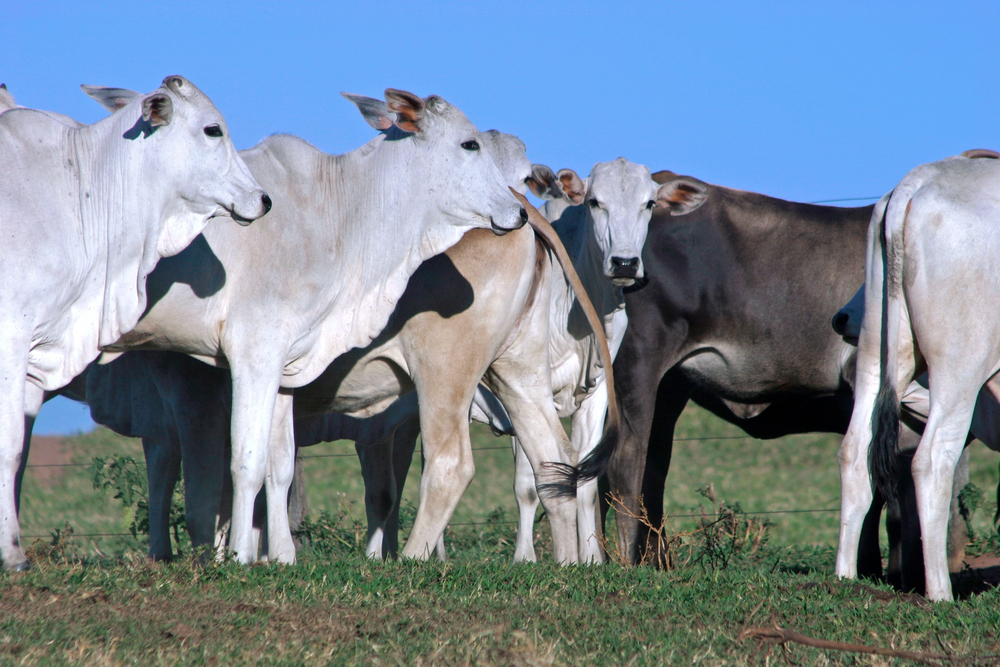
[
  {"x": 86, "y": 212},
  {"x": 941, "y": 271}
]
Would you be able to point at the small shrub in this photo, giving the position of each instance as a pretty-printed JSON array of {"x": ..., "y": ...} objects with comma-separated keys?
[
  {"x": 718, "y": 537},
  {"x": 125, "y": 480}
]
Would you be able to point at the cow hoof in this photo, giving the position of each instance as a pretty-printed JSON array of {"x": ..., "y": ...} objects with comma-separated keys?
[{"x": 23, "y": 566}]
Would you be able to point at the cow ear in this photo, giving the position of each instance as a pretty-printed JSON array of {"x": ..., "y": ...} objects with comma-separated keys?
[
  {"x": 410, "y": 109},
  {"x": 572, "y": 186},
  {"x": 663, "y": 176},
  {"x": 6, "y": 99},
  {"x": 681, "y": 195},
  {"x": 158, "y": 109},
  {"x": 111, "y": 99},
  {"x": 543, "y": 182},
  {"x": 374, "y": 111}
]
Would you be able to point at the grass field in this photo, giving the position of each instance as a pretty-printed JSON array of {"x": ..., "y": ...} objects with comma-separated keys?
[{"x": 94, "y": 600}]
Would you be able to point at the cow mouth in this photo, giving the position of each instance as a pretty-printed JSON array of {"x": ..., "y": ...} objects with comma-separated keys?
[
  {"x": 498, "y": 230},
  {"x": 622, "y": 282},
  {"x": 240, "y": 220}
]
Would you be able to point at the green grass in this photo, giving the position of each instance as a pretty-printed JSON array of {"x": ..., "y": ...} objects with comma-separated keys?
[{"x": 78, "y": 606}]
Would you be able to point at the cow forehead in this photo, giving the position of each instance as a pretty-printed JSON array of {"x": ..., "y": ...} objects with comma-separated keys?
[
  {"x": 621, "y": 181},
  {"x": 509, "y": 154}
]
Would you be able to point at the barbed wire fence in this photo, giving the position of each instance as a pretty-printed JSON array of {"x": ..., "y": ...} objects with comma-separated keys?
[{"x": 468, "y": 523}]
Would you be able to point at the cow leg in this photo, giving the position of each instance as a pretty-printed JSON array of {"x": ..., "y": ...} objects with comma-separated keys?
[
  {"x": 404, "y": 442},
  {"x": 638, "y": 471},
  {"x": 448, "y": 467},
  {"x": 33, "y": 400},
  {"x": 203, "y": 432},
  {"x": 933, "y": 476},
  {"x": 527, "y": 396},
  {"x": 527, "y": 505},
  {"x": 377, "y": 470},
  {"x": 255, "y": 391},
  {"x": 163, "y": 464},
  {"x": 869, "y": 553},
  {"x": 298, "y": 506},
  {"x": 13, "y": 392},
  {"x": 585, "y": 435},
  {"x": 958, "y": 531},
  {"x": 280, "y": 471}
]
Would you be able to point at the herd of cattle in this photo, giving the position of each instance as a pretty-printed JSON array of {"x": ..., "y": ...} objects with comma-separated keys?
[{"x": 397, "y": 290}]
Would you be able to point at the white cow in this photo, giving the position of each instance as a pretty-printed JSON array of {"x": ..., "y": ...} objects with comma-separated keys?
[
  {"x": 279, "y": 304},
  {"x": 86, "y": 212},
  {"x": 933, "y": 245}
]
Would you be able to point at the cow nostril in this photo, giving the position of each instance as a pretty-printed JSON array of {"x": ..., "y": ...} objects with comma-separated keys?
[
  {"x": 266, "y": 201},
  {"x": 524, "y": 215},
  {"x": 625, "y": 262},
  {"x": 840, "y": 323}
]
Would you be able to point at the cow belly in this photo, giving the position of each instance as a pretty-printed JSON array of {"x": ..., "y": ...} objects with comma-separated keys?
[
  {"x": 759, "y": 375},
  {"x": 361, "y": 388}
]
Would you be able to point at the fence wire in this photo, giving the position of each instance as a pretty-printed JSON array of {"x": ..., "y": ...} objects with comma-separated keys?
[{"x": 538, "y": 520}]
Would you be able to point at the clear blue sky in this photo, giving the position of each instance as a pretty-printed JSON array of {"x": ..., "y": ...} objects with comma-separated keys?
[{"x": 800, "y": 100}]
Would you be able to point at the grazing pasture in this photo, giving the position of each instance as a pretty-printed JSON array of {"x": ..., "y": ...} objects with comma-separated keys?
[{"x": 78, "y": 606}]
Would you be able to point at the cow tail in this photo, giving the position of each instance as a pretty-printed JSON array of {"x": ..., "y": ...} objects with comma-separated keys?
[
  {"x": 883, "y": 466},
  {"x": 565, "y": 477}
]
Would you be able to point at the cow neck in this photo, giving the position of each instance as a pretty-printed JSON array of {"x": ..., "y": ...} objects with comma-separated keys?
[
  {"x": 120, "y": 213},
  {"x": 392, "y": 227},
  {"x": 606, "y": 297}
]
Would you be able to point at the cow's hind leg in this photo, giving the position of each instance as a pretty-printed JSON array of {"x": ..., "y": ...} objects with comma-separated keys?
[
  {"x": 527, "y": 396},
  {"x": 527, "y": 504}
]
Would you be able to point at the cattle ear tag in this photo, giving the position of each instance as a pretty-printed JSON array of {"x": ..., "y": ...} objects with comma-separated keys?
[{"x": 157, "y": 109}]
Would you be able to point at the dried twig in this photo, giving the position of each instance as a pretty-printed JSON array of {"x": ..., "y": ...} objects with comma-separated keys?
[{"x": 782, "y": 636}]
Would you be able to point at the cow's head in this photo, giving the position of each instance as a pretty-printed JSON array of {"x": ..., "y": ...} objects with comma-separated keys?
[
  {"x": 619, "y": 197},
  {"x": 195, "y": 160},
  {"x": 455, "y": 167},
  {"x": 847, "y": 321}
]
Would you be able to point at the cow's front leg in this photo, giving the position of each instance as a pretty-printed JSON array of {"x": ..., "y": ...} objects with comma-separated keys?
[
  {"x": 13, "y": 390},
  {"x": 254, "y": 397},
  {"x": 163, "y": 465},
  {"x": 280, "y": 472}
]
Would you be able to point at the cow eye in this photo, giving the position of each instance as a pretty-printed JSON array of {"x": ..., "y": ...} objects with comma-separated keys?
[
  {"x": 592, "y": 203},
  {"x": 472, "y": 145},
  {"x": 650, "y": 205},
  {"x": 213, "y": 131}
]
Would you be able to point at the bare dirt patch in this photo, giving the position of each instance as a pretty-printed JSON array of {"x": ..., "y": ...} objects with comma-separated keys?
[{"x": 47, "y": 456}]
